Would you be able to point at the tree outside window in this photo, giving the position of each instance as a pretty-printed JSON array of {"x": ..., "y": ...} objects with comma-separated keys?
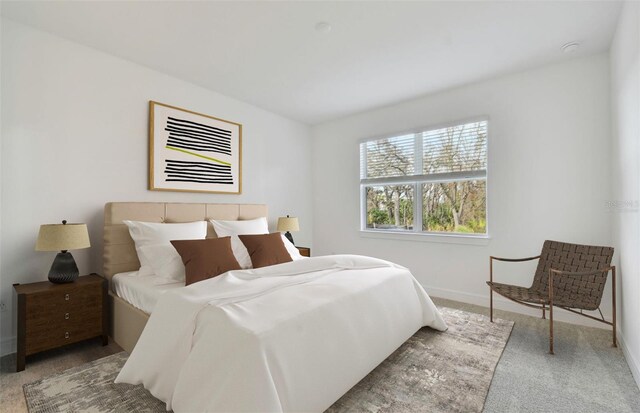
[{"x": 430, "y": 181}]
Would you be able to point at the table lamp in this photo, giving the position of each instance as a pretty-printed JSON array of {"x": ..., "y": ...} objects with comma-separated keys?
[
  {"x": 63, "y": 237},
  {"x": 288, "y": 224}
]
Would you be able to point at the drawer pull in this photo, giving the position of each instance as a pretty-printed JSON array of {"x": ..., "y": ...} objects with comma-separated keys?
[
  {"x": 66, "y": 335},
  {"x": 66, "y": 316},
  {"x": 66, "y": 297}
]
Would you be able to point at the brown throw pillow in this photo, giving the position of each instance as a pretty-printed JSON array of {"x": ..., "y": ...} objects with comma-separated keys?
[
  {"x": 205, "y": 258},
  {"x": 265, "y": 249}
]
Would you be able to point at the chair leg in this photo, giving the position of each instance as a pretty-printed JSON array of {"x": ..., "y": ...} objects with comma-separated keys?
[
  {"x": 491, "y": 304},
  {"x": 551, "y": 329},
  {"x": 544, "y": 317},
  {"x": 550, "y": 311},
  {"x": 613, "y": 292},
  {"x": 491, "y": 289}
]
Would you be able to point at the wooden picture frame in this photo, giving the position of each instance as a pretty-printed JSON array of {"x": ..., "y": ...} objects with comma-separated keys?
[{"x": 193, "y": 152}]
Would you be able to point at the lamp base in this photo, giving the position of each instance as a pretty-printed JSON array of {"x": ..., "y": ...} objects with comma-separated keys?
[
  {"x": 289, "y": 236},
  {"x": 64, "y": 269}
]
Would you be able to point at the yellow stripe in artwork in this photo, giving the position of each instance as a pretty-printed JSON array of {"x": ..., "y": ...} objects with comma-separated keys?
[{"x": 198, "y": 155}]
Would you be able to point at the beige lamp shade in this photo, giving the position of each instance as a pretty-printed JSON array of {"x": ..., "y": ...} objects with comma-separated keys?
[
  {"x": 288, "y": 224},
  {"x": 62, "y": 237}
]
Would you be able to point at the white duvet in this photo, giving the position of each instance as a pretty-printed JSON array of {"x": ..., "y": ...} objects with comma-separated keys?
[{"x": 288, "y": 338}]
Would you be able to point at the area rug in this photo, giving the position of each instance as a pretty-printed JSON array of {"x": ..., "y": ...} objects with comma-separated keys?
[{"x": 432, "y": 372}]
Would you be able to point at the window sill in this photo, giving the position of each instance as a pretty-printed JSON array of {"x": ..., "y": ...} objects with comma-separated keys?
[{"x": 428, "y": 237}]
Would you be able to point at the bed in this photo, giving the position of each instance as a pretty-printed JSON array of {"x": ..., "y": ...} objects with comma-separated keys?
[{"x": 289, "y": 337}]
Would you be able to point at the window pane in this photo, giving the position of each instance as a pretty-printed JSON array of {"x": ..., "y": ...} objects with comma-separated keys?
[
  {"x": 387, "y": 157},
  {"x": 390, "y": 207},
  {"x": 459, "y": 207},
  {"x": 454, "y": 149}
]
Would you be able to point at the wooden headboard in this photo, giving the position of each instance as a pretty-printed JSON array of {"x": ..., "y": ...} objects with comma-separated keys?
[{"x": 119, "y": 253}]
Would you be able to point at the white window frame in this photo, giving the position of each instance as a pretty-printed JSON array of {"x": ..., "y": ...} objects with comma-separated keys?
[{"x": 417, "y": 181}]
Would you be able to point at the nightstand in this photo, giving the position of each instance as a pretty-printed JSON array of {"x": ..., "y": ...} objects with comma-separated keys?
[
  {"x": 53, "y": 315},
  {"x": 304, "y": 251}
]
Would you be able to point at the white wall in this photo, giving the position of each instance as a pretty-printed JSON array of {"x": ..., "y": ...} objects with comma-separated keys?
[
  {"x": 625, "y": 162},
  {"x": 549, "y": 175},
  {"x": 4, "y": 306},
  {"x": 74, "y": 136}
]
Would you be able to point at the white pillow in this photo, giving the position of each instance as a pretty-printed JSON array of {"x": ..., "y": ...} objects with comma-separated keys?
[
  {"x": 165, "y": 263},
  {"x": 245, "y": 227},
  {"x": 234, "y": 228},
  {"x": 152, "y": 233}
]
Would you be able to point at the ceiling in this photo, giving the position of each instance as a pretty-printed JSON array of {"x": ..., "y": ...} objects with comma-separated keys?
[{"x": 269, "y": 53}]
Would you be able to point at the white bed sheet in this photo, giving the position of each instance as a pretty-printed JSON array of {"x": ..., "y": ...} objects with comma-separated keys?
[{"x": 142, "y": 291}]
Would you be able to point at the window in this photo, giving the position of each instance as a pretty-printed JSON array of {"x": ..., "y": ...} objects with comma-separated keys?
[{"x": 433, "y": 181}]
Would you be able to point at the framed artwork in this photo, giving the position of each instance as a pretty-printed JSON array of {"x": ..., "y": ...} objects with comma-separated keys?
[{"x": 192, "y": 152}]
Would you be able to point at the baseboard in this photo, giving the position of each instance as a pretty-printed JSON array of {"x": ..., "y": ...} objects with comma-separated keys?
[
  {"x": 7, "y": 346},
  {"x": 633, "y": 363},
  {"x": 504, "y": 304}
]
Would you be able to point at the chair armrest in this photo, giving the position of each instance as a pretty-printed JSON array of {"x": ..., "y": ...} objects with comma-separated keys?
[
  {"x": 491, "y": 258},
  {"x": 594, "y": 272},
  {"x": 514, "y": 259}
]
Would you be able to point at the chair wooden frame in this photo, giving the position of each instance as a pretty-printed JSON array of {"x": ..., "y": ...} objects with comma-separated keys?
[{"x": 543, "y": 306}]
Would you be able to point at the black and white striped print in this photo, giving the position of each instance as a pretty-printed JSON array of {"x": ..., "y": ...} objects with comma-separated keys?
[
  {"x": 195, "y": 139},
  {"x": 204, "y": 172},
  {"x": 196, "y": 136}
]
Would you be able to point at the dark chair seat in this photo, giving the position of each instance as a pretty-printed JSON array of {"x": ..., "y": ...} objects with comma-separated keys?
[
  {"x": 529, "y": 295},
  {"x": 518, "y": 293}
]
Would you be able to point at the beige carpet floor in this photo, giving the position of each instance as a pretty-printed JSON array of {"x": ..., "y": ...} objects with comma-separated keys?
[{"x": 585, "y": 375}]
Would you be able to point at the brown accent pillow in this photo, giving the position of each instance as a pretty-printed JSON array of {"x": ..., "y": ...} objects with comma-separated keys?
[
  {"x": 265, "y": 249},
  {"x": 205, "y": 258}
]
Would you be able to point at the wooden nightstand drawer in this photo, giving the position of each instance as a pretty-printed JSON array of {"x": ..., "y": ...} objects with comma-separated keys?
[
  {"x": 62, "y": 317},
  {"x": 56, "y": 334},
  {"x": 53, "y": 315},
  {"x": 71, "y": 297}
]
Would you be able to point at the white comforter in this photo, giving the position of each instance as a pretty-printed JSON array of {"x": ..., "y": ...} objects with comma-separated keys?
[{"x": 291, "y": 337}]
